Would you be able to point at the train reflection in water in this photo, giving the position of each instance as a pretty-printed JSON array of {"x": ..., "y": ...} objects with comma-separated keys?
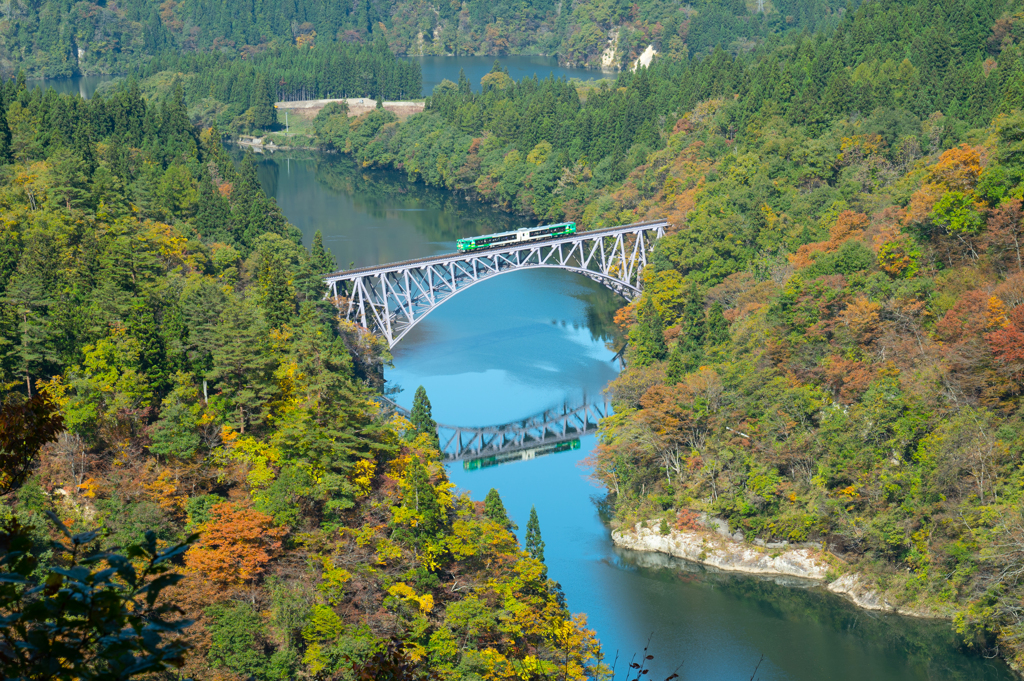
[
  {"x": 520, "y": 455},
  {"x": 556, "y": 429}
]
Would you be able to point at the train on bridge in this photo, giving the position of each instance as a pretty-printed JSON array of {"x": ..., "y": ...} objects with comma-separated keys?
[{"x": 477, "y": 243}]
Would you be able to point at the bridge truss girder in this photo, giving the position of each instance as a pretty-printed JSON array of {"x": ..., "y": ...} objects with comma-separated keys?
[
  {"x": 549, "y": 427},
  {"x": 392, "y": 299}
]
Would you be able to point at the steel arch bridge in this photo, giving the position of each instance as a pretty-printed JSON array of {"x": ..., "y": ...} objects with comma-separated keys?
[
  {"x": 519, "y": 439},
  {"x": 391, "y": 299}
]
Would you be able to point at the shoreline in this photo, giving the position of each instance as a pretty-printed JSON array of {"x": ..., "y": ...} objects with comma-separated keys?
[{"x": 719, "y": 551}]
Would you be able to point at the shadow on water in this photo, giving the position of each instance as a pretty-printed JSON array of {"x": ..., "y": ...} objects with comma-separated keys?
[{"x": 806, "y": 630}]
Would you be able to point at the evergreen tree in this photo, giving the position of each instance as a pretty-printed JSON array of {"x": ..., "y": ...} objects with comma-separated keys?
[
  {"x": 676, "y": 365},
  {"x": 422, "y": 497},
  {"x": 242, "y": 366},
  {"x": 213, "y": 217},
  {"x": 264, "y": 114},
  {"x": 694, "y": 325},
  {"x": 717, "y": 329},
  {"x": 31, "y": 301},
  {"x": 495, "y": 510},
  {"x": 323, "y": 261},
  {"x": 5, "y": 137},
  {"x": 647, "y": 338},
  {"x": 277, "y": 297},
  {"x": 534, "y": 543},
  {"x": 421, "y": 414}
]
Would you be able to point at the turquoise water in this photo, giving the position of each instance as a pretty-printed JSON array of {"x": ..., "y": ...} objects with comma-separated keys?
[{"x": 526, "y": 341}]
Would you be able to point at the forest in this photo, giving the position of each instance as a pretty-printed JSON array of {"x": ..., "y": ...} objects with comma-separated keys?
[
  {"x": 197, "y": 479},
  {"x": 60, "y": 38},
  {"x": 239, "y": 94},
  {"x": 828, "y": 350}
]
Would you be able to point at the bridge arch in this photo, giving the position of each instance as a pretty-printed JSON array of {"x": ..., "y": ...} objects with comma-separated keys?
[{"x": 392, "y": 299}]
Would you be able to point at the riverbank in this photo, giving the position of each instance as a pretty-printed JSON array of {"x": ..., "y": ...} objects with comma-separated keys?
[{"x": 716, "y": 549}]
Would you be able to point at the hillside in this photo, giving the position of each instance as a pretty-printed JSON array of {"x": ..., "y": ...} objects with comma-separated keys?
[
  {"x": 57, "y": 38},
  {"x": 829, "y": 346},
  {"x": 165, "y": 339}
]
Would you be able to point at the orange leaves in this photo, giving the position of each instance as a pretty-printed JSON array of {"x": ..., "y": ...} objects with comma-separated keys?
[
  {"x": 966, "y": 318},
  {"x": 625, "y": 317},
  {"x": 849, "y": 225},
  {"x": 235, "y": 546},
  {"x": 996, "y": 313},
  {"x": 164, "y": 491},
  {"x": 922, "y": 202},
  {"x": 848, "y": 379},
  {"x": 861, "y": 316},
  {"x": 958, "y": 169}
]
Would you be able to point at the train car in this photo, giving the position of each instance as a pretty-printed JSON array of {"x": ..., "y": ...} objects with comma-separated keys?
[{"x": 478, "y": 243}]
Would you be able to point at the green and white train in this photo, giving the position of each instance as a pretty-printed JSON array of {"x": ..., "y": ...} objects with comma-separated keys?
[{"x": 479, "y": 243}]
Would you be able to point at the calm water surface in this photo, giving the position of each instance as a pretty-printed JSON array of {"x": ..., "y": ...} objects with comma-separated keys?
[
  {"x": 83, "y": 86},
  {"x": 523, "y": 342},
  {"x": 436, "y": 69}
]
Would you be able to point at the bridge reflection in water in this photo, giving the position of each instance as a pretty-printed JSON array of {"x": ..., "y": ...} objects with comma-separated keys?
[{"x": 556, "y": 429}]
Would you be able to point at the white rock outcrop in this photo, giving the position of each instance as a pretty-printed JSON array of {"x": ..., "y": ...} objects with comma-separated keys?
[
  {"x": 715, "y": 548},
  {"x": 608, "y": 56},
  {"x": 645, "y": 58},
  {"x": 712, "y": 549}
]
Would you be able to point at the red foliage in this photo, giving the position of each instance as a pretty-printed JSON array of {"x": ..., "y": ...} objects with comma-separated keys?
[
  {"x": 688, "y": 519},
  {"x": 967, "y": 318},
  {"x": 1007, "y": 345},
  {"x": 235, "y": 546},
  {"x": 849, "y": 225},
  {"x": 847, "y": 378}
]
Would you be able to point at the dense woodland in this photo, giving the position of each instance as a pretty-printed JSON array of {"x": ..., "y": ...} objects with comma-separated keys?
[
  {"x": 239, "y": 94},
  {"x": 829, "y": 347},
  {"x": 58, "y": 38},
  {"x": 170, "y": 366}
]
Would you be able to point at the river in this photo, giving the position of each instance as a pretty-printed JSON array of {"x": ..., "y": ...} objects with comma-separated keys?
[{"x": 526, "y": 341}]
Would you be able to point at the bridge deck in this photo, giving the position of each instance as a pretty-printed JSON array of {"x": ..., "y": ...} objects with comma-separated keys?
[{"x": 447, "y": 257}]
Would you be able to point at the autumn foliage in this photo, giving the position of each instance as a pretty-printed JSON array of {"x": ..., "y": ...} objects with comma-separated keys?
[{"x": 235, "y": 546}]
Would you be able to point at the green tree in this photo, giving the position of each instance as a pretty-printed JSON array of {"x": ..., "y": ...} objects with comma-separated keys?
[
  {"x": 99, "y": 617},
  {"x": 235, "y": 632},
  {"x": 421, "y": 414},
  {"x": 176, "y": 433},
  {"x": 277, "y": 296},
  {"x": 495, "y": 510},
  {"x": 323, "y": 261},
  {"x": 242, "y": 367},
  {"x": 647, "y": 339},
  {"x": 717, "y": 330},
  {"x": 264, "y": 113},
  {"x": 677, "y": 365},
  {"x": 534, "y": 543}
]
